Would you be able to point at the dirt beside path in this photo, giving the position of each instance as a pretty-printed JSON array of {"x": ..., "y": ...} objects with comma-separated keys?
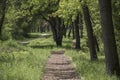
[{"x": 59, "y": 67}]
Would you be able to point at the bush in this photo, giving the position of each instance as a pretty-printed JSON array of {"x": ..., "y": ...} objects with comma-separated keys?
[{"x": 6, "y": 34}]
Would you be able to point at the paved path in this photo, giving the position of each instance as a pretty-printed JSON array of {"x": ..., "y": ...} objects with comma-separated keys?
[{"x": 59, "y": 67}]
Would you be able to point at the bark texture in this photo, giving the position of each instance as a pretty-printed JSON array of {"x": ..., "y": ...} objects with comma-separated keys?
[
  {"x": 77, "y": 34},
  {"x": 91, "y": 43},
  {"x": 111, "y": 55}
]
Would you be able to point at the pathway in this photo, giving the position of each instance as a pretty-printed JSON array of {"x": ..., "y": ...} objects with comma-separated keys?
[{"x": 59, "y": 67}]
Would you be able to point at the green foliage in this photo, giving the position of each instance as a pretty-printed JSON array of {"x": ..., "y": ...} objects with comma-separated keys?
[
  {"x": 6, "y": 34},
  {"x": 68, "y": 10},
  {"x": 10, "y": 46},
  {"x": 25, "y": 64},
  {"x": 20, "y": 15},
  {"x": 116, "y": 19},
  {"x": 17, "y": 62}
]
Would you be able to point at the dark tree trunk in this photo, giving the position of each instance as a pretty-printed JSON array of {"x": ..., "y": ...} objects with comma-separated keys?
[
  {"x": 59, "y": 40},
  {"x": 48, "y": 28},
  {"x": 77, "y": 46},
  {"x": 96, "y": 44},
  {"x": 81, "y": 26},
  {"x": 73, "y": 30},
  {"x": 91, "y": 43},
  {"x": 41, "y": 29},
  {"x": 59, "y": 27},
  {"x": 57, "y": 30},
  {"x": 65, "y": 30},
  {"x": 111, "y": 55},
  {"x": 38, "y": 29},
  {"x": 70, "y": 29},
  {"x": 53, "y": 25},
  {"x": 3, "y": 15}
]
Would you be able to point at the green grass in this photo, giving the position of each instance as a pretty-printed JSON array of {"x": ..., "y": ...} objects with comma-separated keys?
[
  {"x": 88, "y": 70},
  {"x": 85, "y": 68},
  {"x": 22, "y": 64},
  {"x": 26, "y": 62}
]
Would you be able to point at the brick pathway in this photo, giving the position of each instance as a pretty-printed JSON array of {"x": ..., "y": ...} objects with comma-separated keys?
[{"x": 59, "y": 67}]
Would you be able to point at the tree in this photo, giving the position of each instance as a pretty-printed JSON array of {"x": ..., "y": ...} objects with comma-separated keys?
[
  {"x": 57, "y": 27},
  {"x": 73, "y": 30},
  {"x": 68, "y": 10},
  {"x": 3, "y": 12},
  {"x": 69, "y": 33},
  {"x": 111, "y": 55},
  {"x": 81, "y": 25},
  {"x": 91, "y": 43},
  {"x": 48, "y": 13},
  {"x": 77, "y": 46}
]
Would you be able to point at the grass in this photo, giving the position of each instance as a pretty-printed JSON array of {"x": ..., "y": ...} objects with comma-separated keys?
[
  {"x": 22, "y": 64},
  {"x": 26, "y": 62},
  {"x": 88, "y": 70},
  {"x": 25, "y": 66}
]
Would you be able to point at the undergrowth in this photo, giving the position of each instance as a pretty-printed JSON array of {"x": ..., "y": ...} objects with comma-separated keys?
[
  {"x": 88, "y": 70},
  {"x": 18, "y": 62},
  {"x": 26, "y": 62}
]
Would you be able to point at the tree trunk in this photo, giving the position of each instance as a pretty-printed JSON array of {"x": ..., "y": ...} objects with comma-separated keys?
[
  {"x": 111, "y": 55},
  {"x": 59, "y": 40},
  {"x": 77, "y": 33},
  {"x": 3, "y": 16},
  {"x": 70, "y": 29},
  {"x": 96, "y": 44},
  {"x": 53, "y": 30},
  {"x": 57, "y": 30},
  {"x": 73, "y": 30},
  {"x": 65, "y": 31},
  {"x": 91, "y": 43},
  {"x": 81, "y": 26}
]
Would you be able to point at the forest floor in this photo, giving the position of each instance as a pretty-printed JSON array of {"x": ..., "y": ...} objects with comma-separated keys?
[
  {"x": 59, "y": 67},
  {"x": 26, "y": 60}
]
